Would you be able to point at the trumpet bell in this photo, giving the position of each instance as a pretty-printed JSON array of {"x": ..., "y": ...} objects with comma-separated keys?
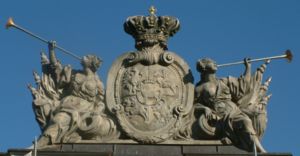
[
  {"x": 289, "y": 55},
  {"x": 10, "y": 23}
]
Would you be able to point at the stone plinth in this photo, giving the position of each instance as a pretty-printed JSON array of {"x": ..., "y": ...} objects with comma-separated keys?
[{"x": 84, "y": 149}]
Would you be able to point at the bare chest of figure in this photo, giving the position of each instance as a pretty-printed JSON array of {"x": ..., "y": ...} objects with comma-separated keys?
[
  {"x": 208, "y": 89},
  {"x": 84, "y": 83}
]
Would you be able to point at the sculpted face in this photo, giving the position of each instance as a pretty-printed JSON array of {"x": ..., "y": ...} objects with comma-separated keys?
[
  {"x": 212, "y": 66},
  {"x": 207, "y": 65},
  {"x": 85, "y": 62}
]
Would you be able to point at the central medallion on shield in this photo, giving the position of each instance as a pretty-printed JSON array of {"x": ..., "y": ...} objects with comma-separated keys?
[{"x": 149, "y": 95}]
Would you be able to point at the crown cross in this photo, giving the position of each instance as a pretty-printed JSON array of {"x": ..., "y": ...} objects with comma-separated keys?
[{"x": 152, "y": 10}]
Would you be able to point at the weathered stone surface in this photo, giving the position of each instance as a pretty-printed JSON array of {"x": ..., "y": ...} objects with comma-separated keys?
[
  {"x": 150, "y": 91},
  {"x": 232, "y": 109},
  {"x": 150, "y": 99},
  {"x": 69, "y": 104},
  {"x": 150, "y": 150},
  {"x": 93, "y": 148},
  {"x": 140, "y": 150},
  {"x": 199, "y": 149}
]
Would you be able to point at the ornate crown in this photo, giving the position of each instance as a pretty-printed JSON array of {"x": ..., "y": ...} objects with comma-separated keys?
[{"x": 152, "y": 29}]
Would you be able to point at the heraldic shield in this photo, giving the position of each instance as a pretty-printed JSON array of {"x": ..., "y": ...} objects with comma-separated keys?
[{"x": 150, "y": 99}]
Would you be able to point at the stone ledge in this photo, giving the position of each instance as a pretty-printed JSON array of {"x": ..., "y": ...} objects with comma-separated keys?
[
  {"x": 80, "y": 149},
  {"x": 168, "y": 142}
]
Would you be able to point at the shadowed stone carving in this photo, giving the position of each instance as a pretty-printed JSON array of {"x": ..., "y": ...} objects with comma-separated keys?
[
  {"x": 231, "y": 109},
  {"x": 69, "y": 104},
  {"x": 150, "y": 96},
  {"x": 151, "y": 90}
]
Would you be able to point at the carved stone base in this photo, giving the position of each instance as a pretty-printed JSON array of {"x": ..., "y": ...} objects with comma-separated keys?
[{"x": 80, "y": 149}]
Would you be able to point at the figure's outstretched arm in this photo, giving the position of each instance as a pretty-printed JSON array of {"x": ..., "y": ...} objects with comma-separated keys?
[
  {"x": 247, "y": 73},
  {"x": 52, "y": 56},
  {"x": 61, "y": 75},
  {"x": 206, "y": 110}
]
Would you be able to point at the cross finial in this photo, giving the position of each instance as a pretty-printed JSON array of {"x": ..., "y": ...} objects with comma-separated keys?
[{"x": 152, "y": 10}]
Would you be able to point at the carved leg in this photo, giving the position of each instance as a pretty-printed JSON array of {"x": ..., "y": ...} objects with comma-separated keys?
[
  {"x": 259, "y": 147},
  {"x": 254, "y": 138},
  {"x": 56, "y": 130},
  {"x": 43, "y": 141}
]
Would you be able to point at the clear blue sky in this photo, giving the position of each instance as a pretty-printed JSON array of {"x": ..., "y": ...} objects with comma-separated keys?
[{"x": 223, "y": 30}]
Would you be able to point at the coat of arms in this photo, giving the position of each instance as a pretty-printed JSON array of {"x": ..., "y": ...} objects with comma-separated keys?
[
  {"x": 150, "y": 90},
  {"x": 150, "y": 96}
]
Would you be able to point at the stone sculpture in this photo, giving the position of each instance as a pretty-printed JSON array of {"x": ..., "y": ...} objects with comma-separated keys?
[
  {"x": 69, "y": 104},
  {"x": 232, "y": 108},
  {"x": 150, "y": 96},
  {"x": 151, "y": 90}
]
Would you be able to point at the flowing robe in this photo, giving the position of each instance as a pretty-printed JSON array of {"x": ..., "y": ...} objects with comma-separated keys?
[{"x": 234, "y": 123}]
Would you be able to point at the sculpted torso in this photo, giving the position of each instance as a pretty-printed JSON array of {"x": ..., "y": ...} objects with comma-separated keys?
[
  {"x": 215, "y": 95},
  {"x": 85, "y": 86},
  {"x": 206, "y": 92}
]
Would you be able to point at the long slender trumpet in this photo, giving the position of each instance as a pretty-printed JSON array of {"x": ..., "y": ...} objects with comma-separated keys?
[
  {"x": 11, "y": 23},
  {"x": 288, "y": 55}
]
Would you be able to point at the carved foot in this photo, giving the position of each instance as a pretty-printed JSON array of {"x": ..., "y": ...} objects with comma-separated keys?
[
  {"x": 43, "y": 141},
  {"x": 226, "y": 141}
]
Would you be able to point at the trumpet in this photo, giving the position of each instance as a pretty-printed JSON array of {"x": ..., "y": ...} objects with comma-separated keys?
[
  {"x": 287, "y": 55},
  {"x": 11, "y": 23}
]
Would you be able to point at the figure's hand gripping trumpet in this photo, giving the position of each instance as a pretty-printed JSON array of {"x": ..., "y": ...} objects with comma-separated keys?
[
  {"x": 288, "y": 55},
  {"x": 11, "y": 23}
]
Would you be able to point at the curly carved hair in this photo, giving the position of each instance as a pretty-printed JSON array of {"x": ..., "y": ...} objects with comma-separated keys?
[{"x": 94, "y": 62}]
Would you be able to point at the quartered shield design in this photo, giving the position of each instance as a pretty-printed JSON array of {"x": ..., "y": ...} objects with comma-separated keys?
[{"x": 150, "y": 100}]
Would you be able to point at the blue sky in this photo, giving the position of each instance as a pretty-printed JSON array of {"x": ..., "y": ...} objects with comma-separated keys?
[{"x": 223, "y": 30}]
